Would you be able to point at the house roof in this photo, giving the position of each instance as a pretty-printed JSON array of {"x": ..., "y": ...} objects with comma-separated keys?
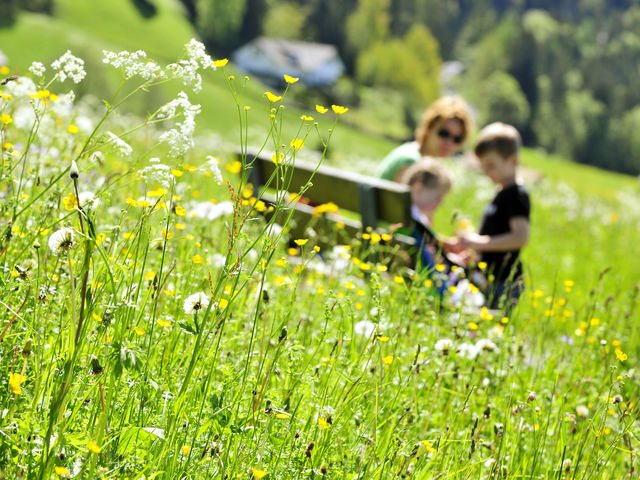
[{"x": 315, "y": 63}]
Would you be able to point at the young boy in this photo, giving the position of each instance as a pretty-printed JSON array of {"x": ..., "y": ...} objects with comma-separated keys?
[
  {"x": 504, "y": 228},
  {"x": 429, "y": 182}
]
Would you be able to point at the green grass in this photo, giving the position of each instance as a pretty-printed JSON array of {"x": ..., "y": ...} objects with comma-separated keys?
[{"x": 277, "y": 377}]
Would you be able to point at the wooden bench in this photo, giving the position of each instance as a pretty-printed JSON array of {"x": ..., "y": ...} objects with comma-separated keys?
[{"x": 374, "y": 203}]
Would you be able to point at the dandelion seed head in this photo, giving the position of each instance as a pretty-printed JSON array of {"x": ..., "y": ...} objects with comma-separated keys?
[
  {"x": 61, "y": 241},
  {"x": 196, "y": 302}
]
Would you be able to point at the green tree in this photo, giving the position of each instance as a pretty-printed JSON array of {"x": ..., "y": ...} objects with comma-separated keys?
[
  {"x": 411, "y": 64},
  {"x": 368, "y": 24},
  {"x": 625, "y": 142},
  {"x": 220, "y": 22},
  {"x": 500, "y": 98},
  {"x": 285, "y": 20}
]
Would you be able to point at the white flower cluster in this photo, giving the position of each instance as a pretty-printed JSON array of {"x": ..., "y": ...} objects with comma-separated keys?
[
  {"x": 133, "y": 64},
  {"x": 211, "y": 211},
  {"x": 37, "y": 69},
  {"x": 443, "y": 346},
  {"x": 187, "y": 69},
  {"x": 180, "y": 139},
  {"x": 68, "y": 66},
  {"x": 124, "y": 149},
  {"x": 465, "y": 350},
  {"x": 196, "y": 302},
  {"x": 157, "y": 174},
  {"x": 212, "y": 166}
]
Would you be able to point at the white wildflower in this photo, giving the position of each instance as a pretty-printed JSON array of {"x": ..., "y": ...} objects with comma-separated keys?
[
  {"x": 327, "y": 411},
  {"x": 196, "y": 302},
  {"x": 157, "y": 174},
  {"x": 37, "y": 69},
  {"x": 21, "y": 87},
  {"x": 364, "y": 328},
  {"x": 62, "y": 240},
  {"x": 443, "y": 346},
  {"x": 467, "y": 350},
  {"x": 489, "y": 463},
  {"x": 69, "y": 66},
  {"x": 218, "y": 260},
  {"x": 486, "y": 344},
  {"x": 467, "y": 294},
  {"x": 123, "y": 148},
  {"x": 211, "y": 211},
  {"x": 187, "y": 69},
  {"x": 582, "y": 411},
  {"x": 88, "y": 199},
  {"x": 566, "y": 464},
  {"x": 180, "y": 139},
  {"x": 212, "y": 166},
  {"x": 133, "y": 64}
]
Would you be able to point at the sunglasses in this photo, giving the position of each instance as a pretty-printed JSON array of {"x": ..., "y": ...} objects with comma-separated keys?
[{"x": 446, "y": 134}]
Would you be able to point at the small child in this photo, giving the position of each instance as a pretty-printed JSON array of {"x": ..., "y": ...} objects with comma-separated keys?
[
  {"x": 429, "y": 182},
  {"x": 504, "y": 228}
]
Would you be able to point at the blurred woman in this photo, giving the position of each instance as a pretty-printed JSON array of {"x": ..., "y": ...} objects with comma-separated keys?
[{"x": 444, "y": 128}]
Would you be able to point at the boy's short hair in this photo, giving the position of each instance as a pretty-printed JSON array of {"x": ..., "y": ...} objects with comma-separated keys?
[
  {"x": 443, "y": 109},
  {"x": 428, "y": 172},
  {"x": 500, "y": 138}
]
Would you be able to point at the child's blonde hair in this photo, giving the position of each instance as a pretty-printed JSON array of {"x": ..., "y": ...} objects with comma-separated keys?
[
  {"x": 428, "y": 172},
  {"x": 443, "y": 109},
  {"x": 500, "y": 138}
]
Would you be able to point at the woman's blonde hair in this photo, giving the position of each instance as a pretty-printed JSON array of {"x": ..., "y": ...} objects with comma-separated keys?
[{"x": 443, "y": 109}]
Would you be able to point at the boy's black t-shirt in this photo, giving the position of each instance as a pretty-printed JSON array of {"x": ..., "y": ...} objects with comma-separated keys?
[{"x": 510, "y": 202}]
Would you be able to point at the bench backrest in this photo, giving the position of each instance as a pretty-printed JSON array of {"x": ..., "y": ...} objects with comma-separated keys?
[{"x": 375, "y": 199}]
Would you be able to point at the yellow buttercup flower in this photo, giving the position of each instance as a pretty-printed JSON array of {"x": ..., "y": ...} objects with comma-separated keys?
[
  {"x": 321, "y": 109},
  {"x": 93, "y": 447},
  {"x": 322, "y": 423},
  {"x": 339, "y": 109},
  {"x": 220, "y": 63},
  {"x": 72, "y": 129},
  {"x": 290, "y": 79},
  {"x": 181, "y": 212},
  {"x": 234, "y": 167},
  {"x": 164, "y": 323},
  {"x": 388, "y": 360},
  {"x": 297, "y": 143},
  {"x": 257, "y": 473},
  {"x": 15, "y": 379},
  {"x": 6, "y": 119},
  {"x": 278, "y": 159},
  {"x": 70, "y": 201},
  {"x": 62, "y": 471},
  {"x": 138, "y": 331},
  {"x": 306, "y": 118},
  {"x": 197, "y": 259},
  {"x": 301, "y": 241},
  {"x": 272, "y": 98}
]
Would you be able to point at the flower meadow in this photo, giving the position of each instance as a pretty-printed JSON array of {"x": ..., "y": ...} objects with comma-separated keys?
[{"x": 157, "y": 322}]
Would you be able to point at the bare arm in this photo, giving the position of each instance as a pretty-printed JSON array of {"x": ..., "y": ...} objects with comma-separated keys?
[{"x": 512, "y": 240}]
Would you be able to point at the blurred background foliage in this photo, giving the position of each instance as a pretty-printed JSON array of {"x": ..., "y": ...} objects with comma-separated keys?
[{"x": 563, "y": 71}]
